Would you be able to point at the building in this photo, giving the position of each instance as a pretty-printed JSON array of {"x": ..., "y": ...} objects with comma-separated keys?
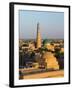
[
  {"x": 49, "y": 46},
  {"x": 62, "y": 48},
  {"x": 38, "y": 38},
  {"x": 29, "y": 46},
  {"x": 51, "y": 61}
]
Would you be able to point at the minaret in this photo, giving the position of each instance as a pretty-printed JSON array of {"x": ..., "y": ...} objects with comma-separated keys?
[{"x": 38, "y": 41}]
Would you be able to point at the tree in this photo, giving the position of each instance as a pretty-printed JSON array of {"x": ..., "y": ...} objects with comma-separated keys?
[
  {"x": 60, "y": 58},
  {"x": 32, "y": 55}
]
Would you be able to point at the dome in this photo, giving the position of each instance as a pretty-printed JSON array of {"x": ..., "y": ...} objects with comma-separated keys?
[{"x": 46, "y": 41}]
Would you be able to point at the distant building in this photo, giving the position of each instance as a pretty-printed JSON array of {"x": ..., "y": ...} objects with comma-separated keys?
[
  {"x": 56, "y": 44},
  {"x": 28, "y": 46},
  {"x": 32, "y": 46},
  {"x": 25, "y": 46},
  {"x": 62, "y": 50},
  {"x": 49, "y": 46}
]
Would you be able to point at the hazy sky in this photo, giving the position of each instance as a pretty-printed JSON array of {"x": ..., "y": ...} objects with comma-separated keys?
[{"x": 51, "y": 24}]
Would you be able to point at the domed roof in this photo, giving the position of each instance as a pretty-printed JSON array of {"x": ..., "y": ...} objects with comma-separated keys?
[{"x": 45, "y": 41}]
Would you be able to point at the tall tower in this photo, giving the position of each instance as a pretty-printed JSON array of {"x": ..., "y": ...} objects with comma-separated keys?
[{"x": 38, "y": 40}]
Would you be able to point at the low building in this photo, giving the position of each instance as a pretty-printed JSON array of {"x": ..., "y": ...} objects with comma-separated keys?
[
  {"x": 31, "y": 46},
  {"x": 56, "y": 44},
  {"x": 28, "y": 46},
  {"x": 62, "y": 50},
  {"x": 49, "y": 46}
]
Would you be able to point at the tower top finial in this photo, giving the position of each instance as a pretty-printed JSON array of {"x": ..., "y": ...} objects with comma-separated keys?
[{"x": 38, "y": 26}]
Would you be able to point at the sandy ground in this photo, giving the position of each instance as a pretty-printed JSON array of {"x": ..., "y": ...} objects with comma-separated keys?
[{"x": 51, "y": 74}]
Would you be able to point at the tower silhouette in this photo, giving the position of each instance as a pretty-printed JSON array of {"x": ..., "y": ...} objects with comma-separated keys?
[{"x": 38, "y": 40}]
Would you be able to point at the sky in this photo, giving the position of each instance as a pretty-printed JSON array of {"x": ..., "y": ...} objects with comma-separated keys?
[{"x": 51, "y": 24}]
